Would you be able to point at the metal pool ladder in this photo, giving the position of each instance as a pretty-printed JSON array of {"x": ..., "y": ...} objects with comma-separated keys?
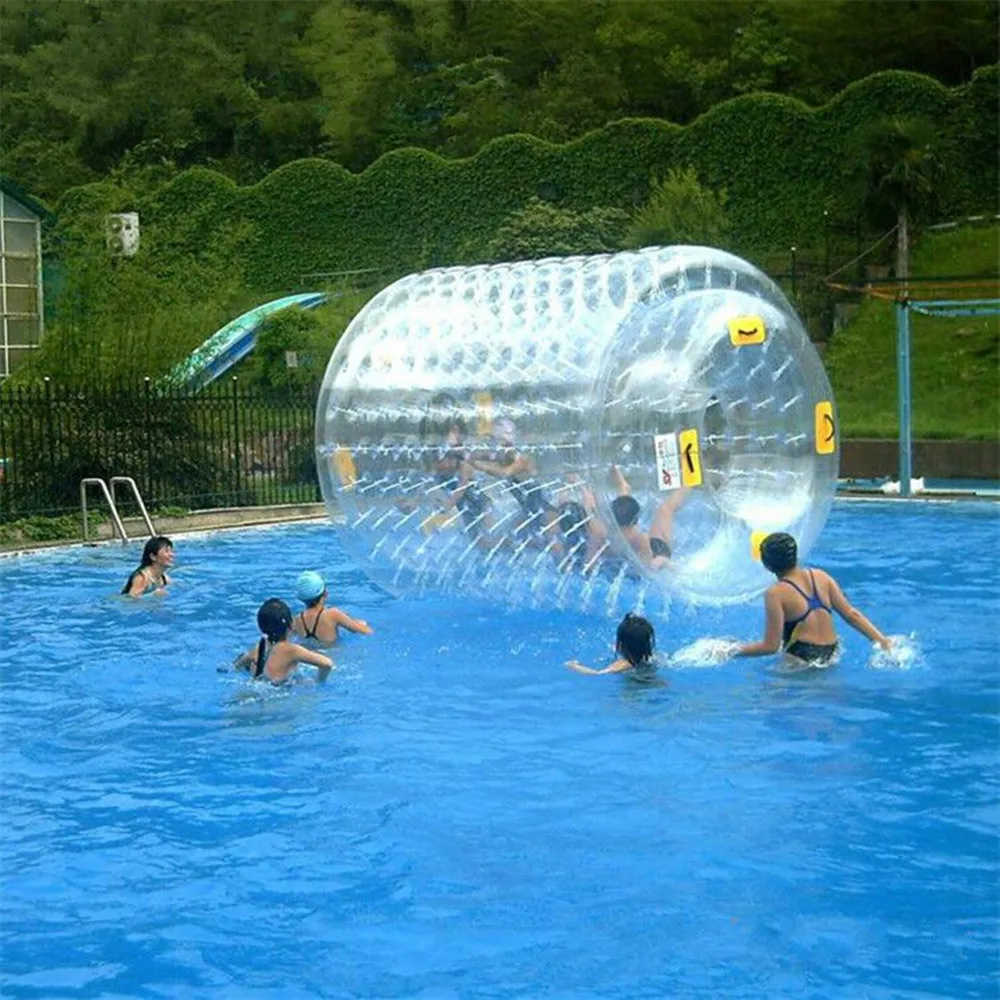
[{"x": 109, "y": 497}]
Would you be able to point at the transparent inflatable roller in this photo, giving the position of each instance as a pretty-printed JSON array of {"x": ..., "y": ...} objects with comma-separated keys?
[{"x": 604, "y": 432}]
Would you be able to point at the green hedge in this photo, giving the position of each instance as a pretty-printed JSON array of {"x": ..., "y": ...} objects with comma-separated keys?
[{"x": 782, "y": 163}]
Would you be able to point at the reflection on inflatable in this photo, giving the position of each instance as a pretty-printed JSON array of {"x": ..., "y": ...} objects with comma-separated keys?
[{"x": 587, "y": 431}]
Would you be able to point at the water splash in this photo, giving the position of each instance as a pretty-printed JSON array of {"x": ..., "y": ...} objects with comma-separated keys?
[
  {"x": 904, "y": 654},
  {"x": 707, "y": 652}
]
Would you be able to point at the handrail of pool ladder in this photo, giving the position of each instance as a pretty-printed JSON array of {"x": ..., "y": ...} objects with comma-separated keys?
[
  {"x": 131, "y": 484},
  {"x": 108, "y": 495}
]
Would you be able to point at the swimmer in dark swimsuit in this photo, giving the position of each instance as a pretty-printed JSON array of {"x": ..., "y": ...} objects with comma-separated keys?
[
  {"x": 635, "y": 644},
  {"x": 151, "y": 575},
  {"x": 275, "y": 658},
  {"x": 800, "y": 608},
  {"x": 653, "y": 547},
  {"x": 317, "y": 621}
]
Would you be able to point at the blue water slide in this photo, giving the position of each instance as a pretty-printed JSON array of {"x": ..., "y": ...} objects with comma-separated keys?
[{"x": 233, "y": 342}]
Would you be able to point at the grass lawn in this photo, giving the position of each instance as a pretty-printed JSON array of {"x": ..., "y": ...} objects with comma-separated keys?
[{"x": 955, "y": 362}]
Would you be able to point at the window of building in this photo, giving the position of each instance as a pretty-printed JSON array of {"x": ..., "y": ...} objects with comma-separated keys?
[{"x": 20, "y": 282}]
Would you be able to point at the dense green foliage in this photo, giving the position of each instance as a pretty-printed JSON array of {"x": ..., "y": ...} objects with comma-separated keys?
[
  {"x": 211, "y": 249},
  {"x": 680, "y": 210},
  {"x": 782, "y": 164},
  {"x": 140, "y": 90},
  {"x": 310, "y": 334},
  {"x": 954, "y": 360},
  {"x": 541, "y": 229}
]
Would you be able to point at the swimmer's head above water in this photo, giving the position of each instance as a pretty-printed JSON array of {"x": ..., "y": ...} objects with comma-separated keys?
[
  {"x": 274, "y": 619},
  {"x": 310, "y": 588},
  {"x": 778, "y": 553},
  {"x": 625, "y": 510},
  {"x": 158, "y": 549},
  {"x": 636, "y": 639}
]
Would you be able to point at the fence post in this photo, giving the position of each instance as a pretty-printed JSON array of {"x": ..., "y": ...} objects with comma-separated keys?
[
  {"x": 236, "y": 438},
  {"x": 49, "y": 432},
  {"x": 147, "y": 486},
  {"x": 793, "y": 272},
  {"x": 903, "y": 392},
  {"x": 826, "y": 242},
  {"x": 6, "y": 470}
]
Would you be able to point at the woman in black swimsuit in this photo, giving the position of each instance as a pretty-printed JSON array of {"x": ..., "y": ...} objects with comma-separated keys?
[{"x": 800, "y": 608}]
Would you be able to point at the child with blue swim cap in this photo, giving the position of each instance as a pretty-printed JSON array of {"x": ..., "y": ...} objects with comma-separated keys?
[{"x": 317, "y": 621}]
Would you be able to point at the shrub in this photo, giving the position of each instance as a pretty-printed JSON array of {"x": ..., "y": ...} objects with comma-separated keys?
[{"x": 680, "y": 210}]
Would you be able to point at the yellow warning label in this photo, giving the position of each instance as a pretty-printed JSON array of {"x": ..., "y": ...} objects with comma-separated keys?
[
  {"x": 690, "y": 459},
  {"x": 826, "y": 429},
  {"x": 745, "y": 330},
  {"x": 484, "y": 413},
  {"x": 343, "y": 463},
  {"x": 756, "y": 537}
]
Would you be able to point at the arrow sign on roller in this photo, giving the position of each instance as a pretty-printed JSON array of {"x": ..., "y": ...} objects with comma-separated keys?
[
  {"x": 825, "y": 428},
  {"x": 833, "y": 428},
  {"x": 691, "y": 470}
]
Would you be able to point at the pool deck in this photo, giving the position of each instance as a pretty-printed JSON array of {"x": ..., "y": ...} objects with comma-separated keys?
[{"x": 198, "y": 520}]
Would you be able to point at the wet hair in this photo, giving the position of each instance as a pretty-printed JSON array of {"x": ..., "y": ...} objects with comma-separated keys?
[
  {"x": 779, "y": 553},
  {"x": 150, "y": 551},
  {"x": 625, "y": 510},
  {"x": 274, "y": 619},
  {"x": 636, "y": 639}
]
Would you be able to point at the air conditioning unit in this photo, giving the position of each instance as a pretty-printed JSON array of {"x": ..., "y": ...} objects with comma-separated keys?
[{"x": 121, "y": 233}]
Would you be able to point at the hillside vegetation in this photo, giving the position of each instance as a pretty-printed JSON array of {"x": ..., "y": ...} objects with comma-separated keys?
[{"x": 955, "y": 367}]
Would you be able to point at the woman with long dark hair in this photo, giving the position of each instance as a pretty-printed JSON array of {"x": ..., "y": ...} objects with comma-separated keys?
[{"x": 151, "y": 574}]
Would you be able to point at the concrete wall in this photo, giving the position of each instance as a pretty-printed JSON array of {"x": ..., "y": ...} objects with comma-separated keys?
[{"x": 872, "y": 458}]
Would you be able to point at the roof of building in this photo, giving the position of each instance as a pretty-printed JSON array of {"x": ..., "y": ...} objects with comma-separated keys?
[{"x": 32, "y": 204}]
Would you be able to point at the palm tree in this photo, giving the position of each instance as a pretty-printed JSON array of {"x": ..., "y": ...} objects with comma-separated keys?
[{"x": 901, "y": 170}]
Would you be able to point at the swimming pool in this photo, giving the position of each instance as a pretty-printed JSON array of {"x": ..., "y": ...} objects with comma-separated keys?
[{"x": 455, "y": 815}]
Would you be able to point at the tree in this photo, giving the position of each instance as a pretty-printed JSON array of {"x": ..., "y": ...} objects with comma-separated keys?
[
  {"x": 901, "y": 170},
  {"x": 543, "y": 230},
  {"x": 680, "y": 210}
]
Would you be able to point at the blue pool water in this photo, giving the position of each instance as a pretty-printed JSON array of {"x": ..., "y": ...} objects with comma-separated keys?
[{"x": 455, "y": 815}]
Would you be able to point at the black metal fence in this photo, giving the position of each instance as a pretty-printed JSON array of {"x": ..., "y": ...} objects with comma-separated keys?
[{"x": 222, "y": 446}]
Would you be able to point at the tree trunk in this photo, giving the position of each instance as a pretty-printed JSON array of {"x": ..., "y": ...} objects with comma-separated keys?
[{"x": 903, "y": 251}]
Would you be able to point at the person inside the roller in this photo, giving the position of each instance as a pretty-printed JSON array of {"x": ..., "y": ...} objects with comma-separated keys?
[
  {"x": 317, "y": 621},
  {"x": 653, "y": 547},
  {"x": 799, "y": 609},
  {"x": 458, "y": 488},
  {"x": 635, "y": 644},
  {"x": 582, "y": 535},
  {"x": 520, "y": 473},
  {"x": 275, "y": 658}
]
